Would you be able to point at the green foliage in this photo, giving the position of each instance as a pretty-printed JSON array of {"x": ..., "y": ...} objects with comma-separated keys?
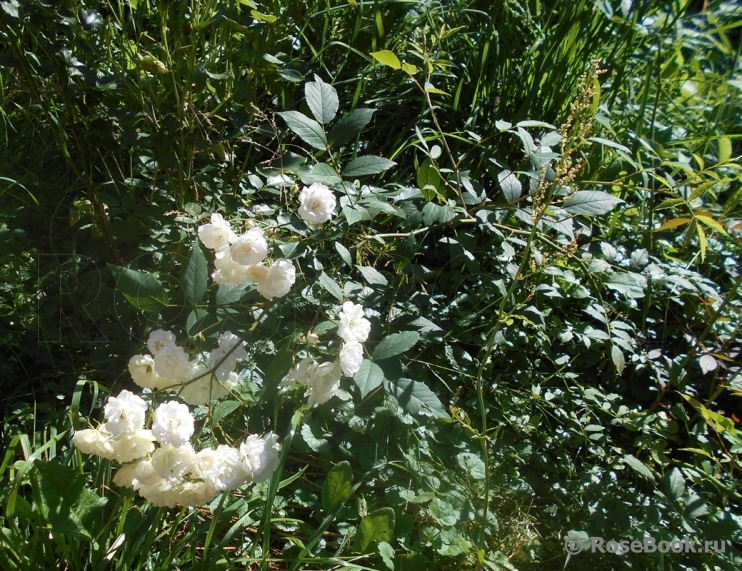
[{"x": 547, "y": 247}]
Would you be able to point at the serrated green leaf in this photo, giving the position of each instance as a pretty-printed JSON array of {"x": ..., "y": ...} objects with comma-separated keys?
[
  {"x": 322, "y": 173},
  {"x": 223, "y": 409},
  {"x": 429, "y": 181},
  {"x": 322, "y": 100},
  {"x": 413, "y": 396},
  {"x": 367, "y": 165},
  {"x": 307, "y": 129},
  {"x": 195, "y": 275},
  {"x": 387, "y": 58},
  {"x": 355, "y": 213},
  {"x": 375, "y": 527},
  {"x": 350, "y": 125},
  {"x": 344, "y": 254},
  {"x": 142, "y": 290},
  {"x": 618, "y": 359},
  {"x": 337, "y": 487},
  {"x": 590, "y": 202},
  {"x": 674, "y": 484},
  {"x": 230, "y": 294},
  {"x": 331, "y": 286},
  {"x": 639, "y": 467},
  {"x": 368, "y": 377},
  {"x": 510, "y": 185},
  {"x": 372, "y": 276}
]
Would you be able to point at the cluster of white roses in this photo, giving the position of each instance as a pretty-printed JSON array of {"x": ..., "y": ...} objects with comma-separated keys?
[
  {"x": 323, "y": 380},
  {"x": 172, "y": 473},
  {"x": 239, "y": 259},
  {"x": 170, "y": 368}
]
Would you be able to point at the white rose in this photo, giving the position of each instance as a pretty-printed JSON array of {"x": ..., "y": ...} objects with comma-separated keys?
[
  {"x": 130, "y": 446},
  {"x": 317, "y": 203},
  {"x": 173, "y": 424},
  {"x": 173, "y": 363},
  {"x": 256, "y": 273},
  {"x": 353, "y": 325},
  {"x": 124, "y": 413},
  {"x": 301, "y": 373},
  {"x": 159, "y": 339},
  {"x": 228, "y": 340},
  {"x": 259, "y": 456},
  {"x": 231, "y": 471},
  {"x": 173, "y": 462},
  {"x": 250, "y": 248},
  {"x": 142, "y": 370},
  {"x": 220, "y": 469},
  {"x": 217, "y": 234},
  {"x": 93, "y": 441},
  {"x": 351, "y": 356},
  {"x": 227, "y": 366},
  {"x": 324, "y": 383},
  {"x": 228, "y": 272},
  {"x": 196, "y": 493},
  {"x": 279, "y": 279},
  {"x": 124, "y": 476}
]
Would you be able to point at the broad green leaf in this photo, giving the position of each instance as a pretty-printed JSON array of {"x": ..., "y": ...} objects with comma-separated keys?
[
  {"x": 639, "y": 467},
  {"x": 142, "y": 290},
  {"x": 618, "y": 359},
  {"x": 674, "y": 484},
  {"x": 307, "y": 129},
  {"x": 510, "y": 185},
  {"x": 611, "y": 144},
  {"x": 260, "y": 17},
  {"x": 695, "y": 507},
  {"x": 716, "y": 421},
  {"x": 372, "y": 276},
  {"x": 224, "y": 408},
  {"x": 591, "y": 202},
  {"x": 702, "y": 242},
  {"x": 331, "y": 286},
  {"x": 355, "y": 213},
  {"x": 315, "y": 437},
  {"x": 368, "y": 377},
  {"x": 387, "y": 551},
  {"x": 725, "y": 149},
  {"x": 385, "y": 57},
  {"x": 322, "y": 100},
  {"x": 413, "y": 396},
  {"x": 195, "y": 275},
  {"x": 443, "y": 512},
  {"x": 350, "y": 125},
  {"x": 337, "y": 487},
  {"x": 429, "y": 181},
  {"x": 395, "y": 344},
  {"x": 409, "y": 68},
  {"x": 471, "y": 464},
  {"x": 344, "y": 253},
  {"x": 674, "y": 223},
  {"x": 375, "y": 527},
  {"x": 226, "y": 295},
  {"x": 711, "y": 223},
  {"x": 367, "y": 165},
  {"x": 66, "y": 504},
  {"x": 321, "y": 172},
  {"x": 530, "y": 124},
  {"x": 627, "y": 283}
]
